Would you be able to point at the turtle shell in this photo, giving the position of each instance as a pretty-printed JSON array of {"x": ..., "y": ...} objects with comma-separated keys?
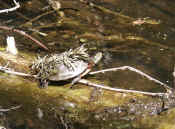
[{"x": 65, "y": 73}]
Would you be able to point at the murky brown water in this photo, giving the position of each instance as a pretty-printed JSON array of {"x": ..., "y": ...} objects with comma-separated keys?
[{"x": 133, "y": 33}]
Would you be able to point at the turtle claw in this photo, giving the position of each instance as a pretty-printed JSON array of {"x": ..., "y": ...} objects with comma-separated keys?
[
  {"x": 43, "y": 83},
  {"x": 75, "y": 80}
]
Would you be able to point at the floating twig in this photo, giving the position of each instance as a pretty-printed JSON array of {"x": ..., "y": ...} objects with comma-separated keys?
[
  {"x": 145, "y": 41},
  {"x": 37, "y": 17},
  {"x": 86, "y": 82},
  {"x": 110, "y": 11},
  {"x": 17, "y": 5},
  {"x": 9, "y": 71},
  {"x": 9, "y": 109},
  {"x": 38, "y": 32}
]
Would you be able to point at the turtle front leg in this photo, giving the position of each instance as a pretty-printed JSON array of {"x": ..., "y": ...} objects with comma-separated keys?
[
  {"x": 93, "y": 61},
  {"x": 75, "y": 80},
  {"x": 43, "y": 83}
]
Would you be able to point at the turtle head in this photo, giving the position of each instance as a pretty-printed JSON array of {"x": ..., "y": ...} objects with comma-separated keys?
[{"x": 95, "y": 59}]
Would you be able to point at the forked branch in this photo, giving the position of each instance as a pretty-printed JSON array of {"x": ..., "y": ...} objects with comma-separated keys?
[{"x": 134, "y": 70}]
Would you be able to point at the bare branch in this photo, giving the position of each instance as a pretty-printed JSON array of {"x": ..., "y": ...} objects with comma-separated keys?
[
  {"x": 9, "y": 71},
  {"x": 17, "y": 5},
  {"x": 86, "y": 82},
  {"x": 12, "y": 108},
  {"x": 134, "y": 70},
  {"x": 24, "y": 34}
]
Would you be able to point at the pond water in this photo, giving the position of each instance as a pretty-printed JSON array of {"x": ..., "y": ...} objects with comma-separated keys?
[{"x": 137, "y": 33}]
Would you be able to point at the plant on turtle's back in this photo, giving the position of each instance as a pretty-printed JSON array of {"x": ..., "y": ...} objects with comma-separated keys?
[{"x": 67, "y": 65}]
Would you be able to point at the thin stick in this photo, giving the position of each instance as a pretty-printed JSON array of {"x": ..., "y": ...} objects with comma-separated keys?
[
  {"x": 18, "y": 13},
  {"x": 7, "y": 70},
  {"x": 134, "y": 70},
  {"x": 37, "y": 17},
  {"x": 17, "y": 5},
  {"x": 86, "y": 82},
  {"x": 109, "y": 11},
  {"x": 12, "y": 108},
  {"x": 24, "y": 34},
  {"x": 39, "y": 32}
]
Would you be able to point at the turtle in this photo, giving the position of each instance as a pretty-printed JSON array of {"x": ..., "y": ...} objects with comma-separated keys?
[{"x": 72, "y": 64}]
